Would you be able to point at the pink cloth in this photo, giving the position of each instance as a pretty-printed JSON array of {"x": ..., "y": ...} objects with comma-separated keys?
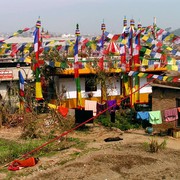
[
  {"x": 171, "y": 114},
  {"x": 178, "y": 109},
  {"x": 91, "y": 105}
]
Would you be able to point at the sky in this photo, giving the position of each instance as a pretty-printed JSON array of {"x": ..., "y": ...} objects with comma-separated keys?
[{"x": 61, "y": 16}]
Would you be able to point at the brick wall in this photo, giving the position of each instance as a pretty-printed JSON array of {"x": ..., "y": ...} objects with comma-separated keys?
[{"x": 162, "y": 99}]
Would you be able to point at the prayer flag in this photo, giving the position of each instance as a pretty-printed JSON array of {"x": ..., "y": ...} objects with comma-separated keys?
[
  {"x": 38, "y": 88},
  {"x": 76, "y": 70},
  {"x": 21, "y": 84},
  {"x": 21, "y": 91},
  {"x": 36, "y": 39}
]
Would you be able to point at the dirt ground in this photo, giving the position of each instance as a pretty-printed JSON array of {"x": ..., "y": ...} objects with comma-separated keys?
[{"x": 100, "y": 160}]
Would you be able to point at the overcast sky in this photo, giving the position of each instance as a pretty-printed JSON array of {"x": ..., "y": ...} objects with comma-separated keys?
[{"x": 61, "y": 16}]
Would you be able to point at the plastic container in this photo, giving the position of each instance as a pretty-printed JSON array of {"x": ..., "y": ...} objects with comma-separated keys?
[
  {"x": 176, "y": 134},
  {"x": 149, "y": 130}
]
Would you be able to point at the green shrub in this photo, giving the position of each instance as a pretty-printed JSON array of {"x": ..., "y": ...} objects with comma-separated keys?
[
  {"x": 105, "y": 120},
  {"x": 154, "y": 146},
  {"x": 124, "y": 120}
]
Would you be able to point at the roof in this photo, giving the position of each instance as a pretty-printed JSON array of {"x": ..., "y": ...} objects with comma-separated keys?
[{"x": 164, "y": 86}]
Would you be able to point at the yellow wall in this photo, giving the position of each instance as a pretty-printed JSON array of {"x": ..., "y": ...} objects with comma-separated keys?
[
  {"x": 144, "y": 98},
  {"x": 88, "y": 71},
  {"x": 71, "y": 103}
]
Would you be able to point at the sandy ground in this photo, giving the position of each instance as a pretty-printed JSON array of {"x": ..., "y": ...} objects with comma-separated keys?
[{"x": 100, "y": 160}]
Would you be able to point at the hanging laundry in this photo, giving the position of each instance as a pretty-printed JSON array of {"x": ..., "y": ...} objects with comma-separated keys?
[
  {"x": 170, "y": 114},
  {"x": 63, "y": 111},
  {"x": 91, "y": 105},
  {"x": 101, "y": 107},
  {"x": 82, "y": 115},
  {"x": 143, "y": 115},
  {"x": 178, "y": 109},
  {"x": 155, "y": 117},
  {"x": 52, "y": 106},
  {"x": 112, "y": 104},
  {"x": 71, "y": 112}
]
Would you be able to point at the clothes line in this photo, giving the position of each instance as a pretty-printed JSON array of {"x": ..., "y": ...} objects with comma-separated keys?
[{"x": 156, "y": 117}]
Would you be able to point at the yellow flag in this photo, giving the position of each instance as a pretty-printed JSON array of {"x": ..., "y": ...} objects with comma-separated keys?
[
  {"x": 39, "y": 91},
  {"x": 15, "y": 34},
  {"x": 70, "y": 43},
  {"x": 52, "y": 42},
  {"x": 98, "y": 37},
  {"x": 133, "y": 100},
  {"x": 87, "y": 65},
  {"x": 3, "y": 49},
  {"x": 164, "y": 78},
  {"x": 126, "y": 85},
  {"x": 52, "y": 106},
  {"x": 79, "y": 99},
  {"x": 148, "y": 52},
  {"x": 57, "y": 64},
  {"x": 174, "y": 67},
  {"x": 140, "y": 74},
  {"x": 124, "y": 41},
  {"x": 145, "y": 38},
  {"x": 169, "y": 37},
  {"x": 173, "y": 61},
  {"x": 145, "y": 62},
  {"x": 28, "y": 59},
  {"x": 169, "y": 48},
  {"x": 26, "y": 51},
  {"x": 71, "y": 49},
  {"x": 93, "y": 46}
]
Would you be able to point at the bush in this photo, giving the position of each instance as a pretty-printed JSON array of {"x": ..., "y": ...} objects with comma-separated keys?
[
  {"x": 124, "y": 120},
  {"x": 154, "y": 146},
  {"x": 105, "y": 120}
]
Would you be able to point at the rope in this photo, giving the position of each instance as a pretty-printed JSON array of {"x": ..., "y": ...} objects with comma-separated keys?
[{"x": 76, "y": 127}]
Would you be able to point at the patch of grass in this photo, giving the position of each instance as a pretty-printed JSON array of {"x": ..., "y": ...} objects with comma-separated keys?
[
  {"x": 75, "y": 154},
  {"x": 78, "y": 143},
  {"x": 154, "y": 146},
  {"x": 10, "y": 150}
]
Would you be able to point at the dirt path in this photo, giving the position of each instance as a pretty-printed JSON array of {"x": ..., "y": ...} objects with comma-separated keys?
[{"x": 100, "y": 160}]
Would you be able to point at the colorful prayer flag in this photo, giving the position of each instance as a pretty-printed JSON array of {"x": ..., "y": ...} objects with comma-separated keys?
[
  {"x": 37, "y": 39},
  {"x": 21, "y": 84},
  {"x": 21, "y": 91},
  {"x": 76, "y": 70},
  {"x": 38, "y": 88}
]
